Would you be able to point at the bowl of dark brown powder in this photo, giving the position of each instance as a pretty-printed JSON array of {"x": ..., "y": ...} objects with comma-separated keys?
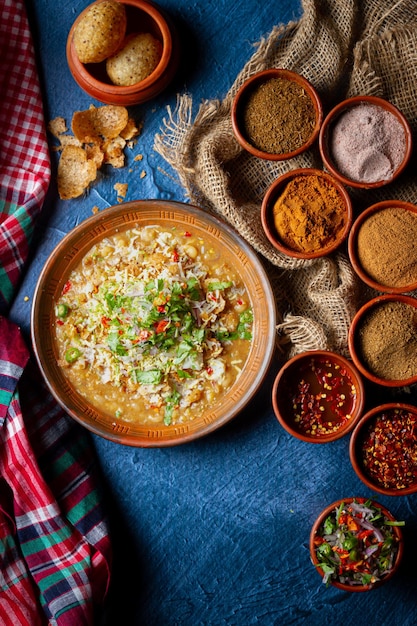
[
  {"x": 276, "y": 114},
  {"x": 382, "y": 246},
  {"x": 383, "y": 340}
]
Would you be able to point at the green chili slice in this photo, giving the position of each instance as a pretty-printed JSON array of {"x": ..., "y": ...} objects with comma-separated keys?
[{"x": 72, "y": 354}]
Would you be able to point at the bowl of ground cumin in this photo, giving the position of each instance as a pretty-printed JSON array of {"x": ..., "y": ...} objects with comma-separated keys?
[
  {"x": 276, "y": 114},
  {"x": 383, "y": 449},
  {"x": 365, "y": 142},
  {"x": 382, "y": 246},
  {"x": 382, "y": 340},
  {"x": 306, "y": 213}
]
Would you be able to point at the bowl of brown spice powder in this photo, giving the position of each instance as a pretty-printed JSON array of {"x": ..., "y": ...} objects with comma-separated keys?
[
  {"x": 383, "y": 449},
  {"x": 365, "y": 142},
  {"x": 276, "y": 114},
  {"x": 382, "y": 246},
  {"x": 382, "y": 340},
  {"x": 306, "y": 213}
]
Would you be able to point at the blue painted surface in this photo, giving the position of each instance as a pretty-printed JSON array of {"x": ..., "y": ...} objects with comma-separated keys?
[{"x": 214, "y": 532}]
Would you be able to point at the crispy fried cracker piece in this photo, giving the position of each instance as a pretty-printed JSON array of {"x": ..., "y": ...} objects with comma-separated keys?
[
  {"x": 131, "y": 130},
  {"x": 121, "y": 190},
  {"x": 97, "y": 123},
  {"x": 75, "y": 172},
  {"x": 57, "y": 127},
  {"x": 113, "y": 152},
  {"x": 134, "y": 60},
  {"x": 100, "y": 32}
]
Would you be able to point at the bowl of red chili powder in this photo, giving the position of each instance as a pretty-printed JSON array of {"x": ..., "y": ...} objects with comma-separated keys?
[
  {"x": 356, "y": 544},
  {"x": 383, "y": 449},
  {"x": 306, "y": 213},
  {"x": 365, "y": 142},
  {"x": 382, "y": 340},
  {"x": 276, "y": 114},
  {"x": 318, "y": 396}
]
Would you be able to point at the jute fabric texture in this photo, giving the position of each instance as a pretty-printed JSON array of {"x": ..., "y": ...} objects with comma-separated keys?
[{"x": 347, "y": 48}]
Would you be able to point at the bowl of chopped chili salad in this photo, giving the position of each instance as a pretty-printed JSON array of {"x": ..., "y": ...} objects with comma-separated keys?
[
  {"x": 153, "y": 323},
  {"x": 318, "y": 396},
  {"x": 383, "y": 449},
  {"x": 356, "y": 544}
]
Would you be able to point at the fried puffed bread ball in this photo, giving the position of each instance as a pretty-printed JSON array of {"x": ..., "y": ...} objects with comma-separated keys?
[
  {"x": 100, "y": 32},
  {"x": 136, "y": 59}
]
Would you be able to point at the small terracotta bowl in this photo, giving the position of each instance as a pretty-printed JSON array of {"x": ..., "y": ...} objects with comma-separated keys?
[
  {"x": 321, "y": 246},
  {"x": 142, "y": 16},
  {"x": 375, "y": 344},
  {"x": 239, "y": 106},
  {"x": 358, "y": 510},
  {"x": 318, "y": 396},
  {"x": 381, "y": 449},
  {"x": 357, "y": 173},
  {"x": 387, "y": 270}
]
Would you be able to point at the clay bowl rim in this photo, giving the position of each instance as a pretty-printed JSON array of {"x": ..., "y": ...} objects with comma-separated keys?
[
  {"x": 355, "y": 443},
  {"x": 294, "y": 363},
  {"x": 71, "y": 249},
  {"x": 245, "y": 89},
  {"x": 108, "y": 90},
  {"x": 332, "y": 116},
  {"x": 273, "y": 192},
  {"x": 397, "y": 529},
  {"x": 352, "y": 337},
  {"x": 353, "y": 238}
]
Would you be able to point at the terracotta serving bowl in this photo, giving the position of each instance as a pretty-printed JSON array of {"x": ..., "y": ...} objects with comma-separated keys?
[
  {"x": 382, "y": 449},
  {"x": 375, "y": 270},
  {"x": 220, "y": 240},
  {"x": 318, "y": 396},
  {"x": 387, "y": 344},
  {"x": 345, "y": 174},
  {"x": 142, "y": 16},
  {"x": 318, "y": 249},
  {"x": 240, "y": 103},
  {"x": 316, "y": 542}
]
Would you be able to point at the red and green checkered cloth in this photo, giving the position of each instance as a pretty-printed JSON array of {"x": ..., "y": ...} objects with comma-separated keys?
[{"x": 55, "y": 550}]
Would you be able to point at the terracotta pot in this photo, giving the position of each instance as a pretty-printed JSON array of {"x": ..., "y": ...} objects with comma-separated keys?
[{"x": 142, "y": 16}]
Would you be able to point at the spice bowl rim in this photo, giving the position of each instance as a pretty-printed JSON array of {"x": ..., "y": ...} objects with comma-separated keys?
[
  {"x": 149, "y": 87},
  {"x": 332, "y": 116},
  {"x": 352, "y": 338},
  {"x": 354, "y": 454},
  {"x": 245, "y": 89},
  {"x": 352, "y": 245},
  {"x": 396, "y": 529},
  {"x": 293, "y": 364},
  {"x": 273, "y": 192}
]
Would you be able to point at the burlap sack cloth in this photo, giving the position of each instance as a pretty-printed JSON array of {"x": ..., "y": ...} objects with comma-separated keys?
[{"x": 344, "y": 48}]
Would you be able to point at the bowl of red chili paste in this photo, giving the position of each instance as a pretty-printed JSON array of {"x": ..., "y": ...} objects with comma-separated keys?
[
  {"x": 383, "y": 449},
  {"x": 318, "y": 396},
  {"x": 356, "y": 544}
]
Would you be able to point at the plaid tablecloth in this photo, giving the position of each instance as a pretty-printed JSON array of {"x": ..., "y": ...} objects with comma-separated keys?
[{"x": 55, "y": 549}]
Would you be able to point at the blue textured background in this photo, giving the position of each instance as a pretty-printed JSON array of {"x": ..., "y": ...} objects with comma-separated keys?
[{"x": 214, "y": 532}]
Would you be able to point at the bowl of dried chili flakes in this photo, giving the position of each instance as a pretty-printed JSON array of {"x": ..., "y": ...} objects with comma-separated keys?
[
  {"x": 383, "y": 449},
  {"x": 318, "y": 396}
]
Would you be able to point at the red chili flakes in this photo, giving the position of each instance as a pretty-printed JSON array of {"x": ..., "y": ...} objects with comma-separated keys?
[
  {"x": 390, "y": 449},
  {"x": 324, "y": 398}
]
